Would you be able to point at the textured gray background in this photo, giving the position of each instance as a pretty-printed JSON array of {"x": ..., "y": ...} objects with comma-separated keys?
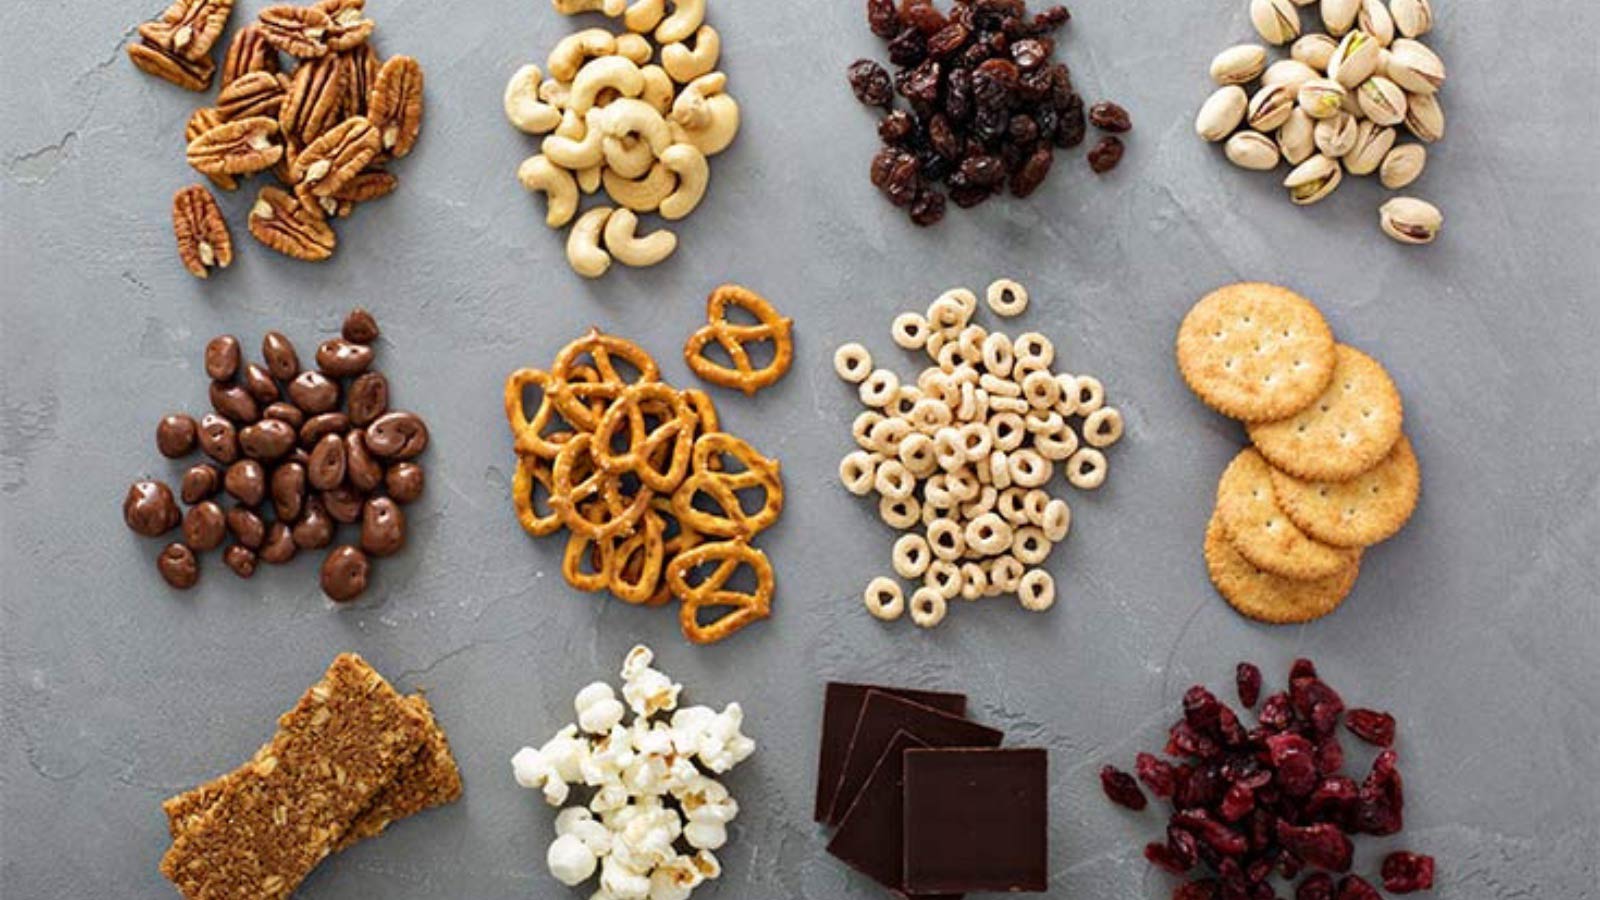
[{"x": 1478, "y": 626}]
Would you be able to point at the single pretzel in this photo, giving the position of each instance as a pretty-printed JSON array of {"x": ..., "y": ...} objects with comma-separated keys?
[
  {"x": 712, "y": 591},
  {"x": 534, "y": 435},
  {"x": 604, "y": 351},
  {"x": 576, "y": 479},
  {"x": 709, "y": 478},
  {"x": 634, "y": 570},
  {"x": 597, "y": 551},
  {"x": 533, "y": 473},
  {"x": 676, "y": 538},
  {"x": 673, "y": 437},
  {"x": 770, "y": 326}
]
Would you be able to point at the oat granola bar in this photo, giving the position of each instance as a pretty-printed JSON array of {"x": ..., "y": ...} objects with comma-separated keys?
[{"x": 347, "y": 738}]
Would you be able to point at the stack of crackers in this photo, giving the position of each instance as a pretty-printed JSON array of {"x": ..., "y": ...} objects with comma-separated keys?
[
  {"x": 351, "y": 757},
  {"x": 1330, "y": 472}
]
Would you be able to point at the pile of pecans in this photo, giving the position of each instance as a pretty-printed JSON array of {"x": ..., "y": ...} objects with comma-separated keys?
[
  {"x": 1334, "y": 105},
  {"x": 641, "y": 130},
  {"x": 325, "y": 129},
  {"x": 278, "y": 433},
  {"x": 988, "y": 107},
  {"x": 960, "y": 459}
]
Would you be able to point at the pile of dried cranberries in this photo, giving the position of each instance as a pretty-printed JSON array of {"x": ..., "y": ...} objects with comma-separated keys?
[
  {"x": 1251, "y": 802},
  {"x": 988, "y": 106}
]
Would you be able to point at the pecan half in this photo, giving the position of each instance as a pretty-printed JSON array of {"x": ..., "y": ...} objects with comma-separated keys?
[
  {"x": 280, "y": 221},
  {"x": 396, "y": 104},
  {"x": 236, "y": 148},
  {"x": 367, "y": 186},
  {"x": 300, "y": 31},
  {"x": 329, "y": 162},
  {"x": 203, "y": 239},
  {"x": 153, "y": 59},
  {"x": 248, "y": 53},
  {"x": 251, "y": 95},
  {"x": 315, "y": 96},
  {"x": 201, "y": 121},
  {"x": 350, "y": 27},
  {"x": 360, "y": 74},
  {"x": 188, "y": 28}
]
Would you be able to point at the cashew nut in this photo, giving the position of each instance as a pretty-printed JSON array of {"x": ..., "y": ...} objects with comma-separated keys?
[
  {"x": 614, "y": 72},
  {"x": 612, "y": 8},
  {"x": 589, "y": 179},
  {"x": 685, "y": 65},
  {"x": 560, "y": 189},
  {"x": 626, "y": 116},
  {"x": 644, "y": 194},
  {"x": 523, "y": 106},
  {"x": 579, "y": 153},
  {"x": 635, "y": 48},
  {"x": 684, "y": 21},
  {"x": 571, "y": 51},
  {"x": 658, "y": 88},
  {"x": 689, "y": 164},
  {"x": 571, "y": 126},
  {"x": 627, "y": 155},
  {"x": 555, "y": 92},
  {"x": 644, "y": 15},
  {"x": 583, "y": 243},
  {"x": 722, "y": 124},
  {"x": 690, "y": 109},
  {"x": 630, "y": 249}
]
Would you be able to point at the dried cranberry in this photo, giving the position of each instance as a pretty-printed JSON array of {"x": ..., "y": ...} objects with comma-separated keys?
[
  {"x": 1302, "y": 668},
  {"x": 1212, "y": 833},
  {"x": 908, "y": 48},
  {"x": 882, "y": 18},
  {"x": 1161, "y": 855},
  {"x": 1316, "y": 886},
  {"x": 1156, "y": 773},
  {"x": 897, "y": 128},
  {"x": 1183, "y": 739},
  {"x": 1121, "y": 788},
  {"x": 1198, "y": 787},
  {"x": 1374, "y": 727},
  {"x": 1108, "y": 116},
  {"x": 1248, "y": 679},
  {"x": 1329, "y": 755},
  {"x": 1405, "y": 872},
  {"x": 1291, "y": 756},
  {"x": 1237, "y": 803},
  {"x": 1200, "y": 709},
  {"x": 1275, "y": 713},
  {"x": 928, "y": 207},
  {"x": 1307, "y": 694},
  {"x": 1184, "y": 845},
  {"x": 1354, "y": 887},
  {"x": 1381, "y": 803},
  {"x": 1322, "y": 845},
  {"x": 1333, "y": 799},
  {"x": 1201, "y": 889},
  {"x": 870, "y": 82},
  {"x": 1104, "y": 156},
  {"x": 1233, "y": 734}
]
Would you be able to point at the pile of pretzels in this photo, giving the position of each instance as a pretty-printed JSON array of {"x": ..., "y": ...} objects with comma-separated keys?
[
  {"x": 652, "y": 494},
  {"x": 614, "y": 119}
]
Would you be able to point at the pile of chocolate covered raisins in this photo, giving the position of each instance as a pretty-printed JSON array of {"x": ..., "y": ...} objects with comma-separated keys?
[{"x": 988, "y": 107}]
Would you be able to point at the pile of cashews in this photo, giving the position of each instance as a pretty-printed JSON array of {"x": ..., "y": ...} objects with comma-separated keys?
[{"x": 614, "y": 119}]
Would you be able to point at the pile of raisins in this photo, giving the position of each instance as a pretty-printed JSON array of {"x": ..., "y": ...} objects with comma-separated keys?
[
  {"x": 1248, "y": 803},
  {"x": 988, "y": 107}
]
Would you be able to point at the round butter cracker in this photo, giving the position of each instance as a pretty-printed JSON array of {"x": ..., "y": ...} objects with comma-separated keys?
[
  {"x": 1266, "y": 597},
  {"x": 1263, "y": 534},
  {"x": 1358, "y": 513},
  {"x": 1347, "y": 430},
  {"x": 1256, "y": 352}
]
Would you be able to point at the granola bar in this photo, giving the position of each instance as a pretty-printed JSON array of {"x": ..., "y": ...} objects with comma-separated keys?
[{"x": 347, "y": 738}]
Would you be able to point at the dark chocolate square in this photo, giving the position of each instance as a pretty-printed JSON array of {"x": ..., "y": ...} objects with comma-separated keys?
[
  {"x": 841, "y": 706},
  {"x": 871, "y": 837},
  {"x": 976, "y": 820},
  {"x": 881, "y": 716}
]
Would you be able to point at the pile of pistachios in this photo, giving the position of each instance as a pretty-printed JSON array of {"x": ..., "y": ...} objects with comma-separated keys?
[{"x": 1335, "y": 104}]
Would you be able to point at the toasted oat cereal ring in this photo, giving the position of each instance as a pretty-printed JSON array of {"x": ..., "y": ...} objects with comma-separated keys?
[
  {"x": 1264, "y": 596},
  {"x": 1041, "y": 389},
  {"x": 1007, "y": 298},
  {"x": 1262, "y": 533},
  {"x": 1103, "y": 427},
  {"x": 1056, "y": 520},
  {"x": 1086, "y": 469},
  {"x": 904, "y": 401},
  {"x": 998, "y": 357},
  {"x": 672, "y": 437},
  {"x": 966, "y": 298},
  {"x": 911, "y": 556},
  {"x": 1005, "y": 572},
  {"x": 910, "y": 330},
  {"x": 878, "y": 389},
  {"x": 976, "y": 441},
  {"x": 857, "y": 471},
  {"x": 1345, "y": 431},
  {"x": 930, "y": 414},
  {"x": 1256, "y": 352},
  {"x": 928, "y": 607},
  {"x": 1358, "y": 513},
  {"x": 861, "y": 428},
  {"x": 1036, "y": 591},
  {"x": 887, "y": 434},
  {"x": 1056, "y": 444},
  {"x": 964, "y": 485},
  {"x": 893, "y": 480},
  {"x": 712, "y": 476},
  {"x": 988, "y": 534},
  {"x": 943, "y": 576},
  {"x": 732, "y": 338},
  {"x": 985, "y": 502},
  {"x": 951, "y": 311},
  {"x": 1091, "y": 395},
  {"x": 1068, "y": 404},
  {"x": 533, "y": 474},
  {"x": 974, "y": 581},
  {"x": 1028, "y": 468},
  {"x": 852, "y": 362},
  {"x": 712, "y": 592},
  {"x": 1000, "y": 469},
  {"x": 916, "y": 454},
  {"x": 1034, "y": 351},
  {"x": 900, "y": 514},
  {"x": 1030, "y": 545},
  {"x": 884, "y": 599},
  {"x": 945, "y": 539},
  {"x": 1012, "y": 505}
]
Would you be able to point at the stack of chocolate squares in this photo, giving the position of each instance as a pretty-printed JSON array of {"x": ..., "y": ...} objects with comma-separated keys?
[
  {"x": 350, "y": 758},
  {"x": 924, "y": 800}
]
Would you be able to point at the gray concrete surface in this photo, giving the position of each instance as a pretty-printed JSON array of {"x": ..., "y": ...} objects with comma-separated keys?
[{"x": 1477, "y": 626}]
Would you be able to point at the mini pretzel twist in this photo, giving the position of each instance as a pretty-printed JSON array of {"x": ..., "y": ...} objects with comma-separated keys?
[
  {"x": 712, "y": 590},
  {"x": 708, "y": 477},
  {"x": 576, "y": 479},
  {"x": 770, "y": 326},
  {"x": 672, "y": 437}
]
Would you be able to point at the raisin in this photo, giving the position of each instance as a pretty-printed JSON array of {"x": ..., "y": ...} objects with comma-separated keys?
[
  {"x": 904, "y": 180},
  {"x": 1050, "y": 19},
  {"x": 1074, "y": 126},
  {"x": 1022, "y": 130},
  {"x": 870, "y": 82},
  {"x": 943, "y": 138},
  {"x": 989, "y": 124},
  {"x": 1104, "y": 156},
  {"x": 1002, "y": 73},
  {"x": 1121, "y": 788},
  {"x": 1248, "y": 679},
  {"x": 928, "y": 207},
  {"x": 1031, "y": 53},
  {"x": 1155, "y": 772},
  {"x": 1108, "y": 116},
  {"x": 1354, "y": 887},
  {"x": 1316, "y": 886},
  {"x": 883, "y": 18},
  {"x": 958, "y": 95},
  {"x": 908, "y": 48},
  {"x": 921, "y": 15},
  {"x": 1405, "y": 872},
  {"x": 897, "y": 128},
  {"x": 1026, "y": 179},
  {"x": 948, "y": 40},
  {"x": 882, "y": 164},
  {"x": 920, "y": 84},
  {"x": 1376, "y": 728},
  {"x": 967, "y": 196}
]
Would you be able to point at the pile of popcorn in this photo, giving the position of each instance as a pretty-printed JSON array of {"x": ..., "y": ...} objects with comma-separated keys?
[{"x": 656, "y": 815}]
